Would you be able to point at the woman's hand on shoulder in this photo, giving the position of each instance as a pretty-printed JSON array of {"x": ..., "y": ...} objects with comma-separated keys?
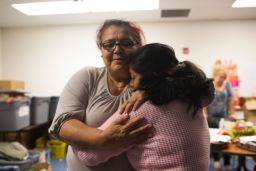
[
  {"x": 124, "y": 132},
  {"x": 133, "y": 102}
]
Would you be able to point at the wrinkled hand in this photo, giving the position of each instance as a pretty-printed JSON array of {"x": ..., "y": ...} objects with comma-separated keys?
[
  {"x": 122, "y": 132},
  {"x": 133, "y": 102}
]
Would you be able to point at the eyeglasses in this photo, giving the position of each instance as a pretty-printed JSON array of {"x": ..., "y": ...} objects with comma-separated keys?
[{"x": 110, "y": 45}]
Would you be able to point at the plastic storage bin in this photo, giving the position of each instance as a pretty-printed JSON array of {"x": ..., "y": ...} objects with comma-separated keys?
[
  {"x": 53, "y": 105},
  {"x": 15, "y": 115},
  {"x": 22, "y": 165},
  {"x": 39, "y": 110}
]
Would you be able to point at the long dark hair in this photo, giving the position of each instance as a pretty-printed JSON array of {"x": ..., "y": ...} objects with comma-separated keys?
[{"x": 164, "y": 78}]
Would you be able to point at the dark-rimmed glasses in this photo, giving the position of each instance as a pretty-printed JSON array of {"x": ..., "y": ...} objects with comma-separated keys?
[{"x": 110, "y": 45}]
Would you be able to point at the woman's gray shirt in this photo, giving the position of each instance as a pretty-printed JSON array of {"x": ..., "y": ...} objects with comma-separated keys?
[{"x": 86, "y": 97}]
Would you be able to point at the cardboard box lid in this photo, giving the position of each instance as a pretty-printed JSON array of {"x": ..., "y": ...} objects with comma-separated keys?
[
  {"x": 250, "y": 104},
  {"x": 12, "y": 85}
]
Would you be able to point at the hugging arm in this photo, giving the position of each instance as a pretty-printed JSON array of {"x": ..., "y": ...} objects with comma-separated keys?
[
  {"x": 91, "y": 157},
  {"x": 69, "y": 125}
]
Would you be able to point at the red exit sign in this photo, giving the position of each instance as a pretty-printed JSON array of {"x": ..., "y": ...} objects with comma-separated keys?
[{"x": 185, "y": 50}]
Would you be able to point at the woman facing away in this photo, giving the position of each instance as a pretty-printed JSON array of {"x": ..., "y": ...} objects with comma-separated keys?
[
  {"x": 176, "y": 92},
  {"x": 222, "y": 106}
]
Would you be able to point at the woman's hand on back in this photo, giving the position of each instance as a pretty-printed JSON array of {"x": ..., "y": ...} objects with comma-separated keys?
[
  {"x": 123, "y": 132},
  {"x": 133, "y": 102}
]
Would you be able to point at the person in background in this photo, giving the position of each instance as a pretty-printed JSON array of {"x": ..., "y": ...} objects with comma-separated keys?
[
  {"x": 176, "y": 93},
  {"x": 222, "y": 106},
  {"x": 93, "y": 94}
]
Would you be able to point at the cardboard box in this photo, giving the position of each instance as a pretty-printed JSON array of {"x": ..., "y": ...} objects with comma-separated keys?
[
  {"x": 12, "y": 85},
  {"x": 250, "y": 104},
  {"x": 250, "y": 115},
  {"x": 249, "y": 109},
  {"x": 41, "y": 166}
]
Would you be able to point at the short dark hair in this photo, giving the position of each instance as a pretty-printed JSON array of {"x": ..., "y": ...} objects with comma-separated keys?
[
  {"x": 136, "y": 31},
  {"x": 164, "y": 78}
]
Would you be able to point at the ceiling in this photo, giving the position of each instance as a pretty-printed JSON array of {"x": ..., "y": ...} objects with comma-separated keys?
[{"x": 199, "y": 10}]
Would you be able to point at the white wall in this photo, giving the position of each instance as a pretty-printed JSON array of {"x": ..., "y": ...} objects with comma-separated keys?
[
  {"x": 208, "y": 41},
  {"x": 45, "y": 57},
  {"x": 1, "y": 67}
]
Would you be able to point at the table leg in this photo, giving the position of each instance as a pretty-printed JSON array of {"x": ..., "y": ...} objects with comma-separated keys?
[{"x": 241, "y": 163}]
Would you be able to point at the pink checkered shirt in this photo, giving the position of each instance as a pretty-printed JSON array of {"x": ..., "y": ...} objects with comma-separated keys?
[{"x": 180, "y": 142}]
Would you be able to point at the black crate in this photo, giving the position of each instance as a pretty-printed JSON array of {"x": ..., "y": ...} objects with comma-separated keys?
[
  {"x": 39, "y": 110},
  {"x": 53, "y": 106}
]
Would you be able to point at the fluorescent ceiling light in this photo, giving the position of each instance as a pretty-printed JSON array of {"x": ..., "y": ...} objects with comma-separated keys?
[
  {"x": 244, "y": 3},
  {"x": 121, "y": 5},
  {"x": 52, "y": 7},
  {"x": 83, "y": 6}
]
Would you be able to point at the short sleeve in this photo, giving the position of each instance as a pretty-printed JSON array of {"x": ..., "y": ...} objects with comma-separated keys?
[{"x": 73, "y": 101}]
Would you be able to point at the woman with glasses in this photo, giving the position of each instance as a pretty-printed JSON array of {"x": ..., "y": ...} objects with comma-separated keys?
[
  {"x": 93, "y": 94},
  {"x": 176, "y": 92}
]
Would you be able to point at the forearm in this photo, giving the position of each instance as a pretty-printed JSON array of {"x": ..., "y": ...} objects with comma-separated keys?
[
  {"x": 231, "y": 107},
  {"x": 77, "y": 133}
]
